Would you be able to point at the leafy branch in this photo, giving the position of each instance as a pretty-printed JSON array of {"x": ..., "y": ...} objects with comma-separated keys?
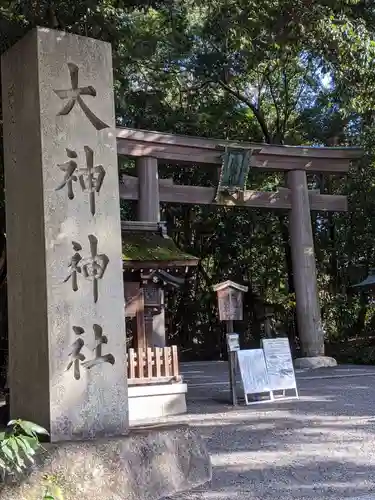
[
  {"x": 256, "y": 111},
  {"x": 18, "y": 445}
]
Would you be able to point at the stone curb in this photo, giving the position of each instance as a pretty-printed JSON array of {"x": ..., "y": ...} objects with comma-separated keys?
[{"x": 315, "y": 362}]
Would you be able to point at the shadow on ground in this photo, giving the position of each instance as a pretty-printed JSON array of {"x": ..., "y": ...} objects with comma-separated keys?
[{"x": 321, "y": 446}]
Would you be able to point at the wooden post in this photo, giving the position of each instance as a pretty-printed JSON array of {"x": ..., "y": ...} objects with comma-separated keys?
[
  {"x": 141, "y": 342},
  {"x": 232, "y": 367},
  {"x": 304, "y": 267},
  {"x": 148, "y": 186},
  {"x": 158, "y": 325},
  {"x": 148, "y": 327},
  {"x": 267, "y": 327}
]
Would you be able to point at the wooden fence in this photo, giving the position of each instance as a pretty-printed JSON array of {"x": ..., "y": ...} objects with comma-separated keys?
[{"x": 153, "y": 365}]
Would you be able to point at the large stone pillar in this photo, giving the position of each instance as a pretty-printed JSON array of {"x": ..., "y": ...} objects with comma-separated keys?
[
  {"x": 149, "y": 211},
  {"x": 66, "y": 301},
  {"x": 304, "y": 267}
]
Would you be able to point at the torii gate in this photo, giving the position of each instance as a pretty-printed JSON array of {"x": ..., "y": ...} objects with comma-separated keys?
[{"x": 150, "y": 148}]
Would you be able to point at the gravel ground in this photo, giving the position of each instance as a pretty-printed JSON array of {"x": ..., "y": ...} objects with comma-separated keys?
[{"x": 320, "y": 446}]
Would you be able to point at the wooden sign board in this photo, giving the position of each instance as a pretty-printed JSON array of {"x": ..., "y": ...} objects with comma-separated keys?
[
  {"x": 152, "y": 295},
  {"x": 230, "y": 304},
  {"x": 253, "y": 372},
  {"x": 279, "y": 364}
]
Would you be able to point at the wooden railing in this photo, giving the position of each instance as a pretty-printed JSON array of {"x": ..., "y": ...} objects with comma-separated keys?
[{"x": 153, "y": 365}]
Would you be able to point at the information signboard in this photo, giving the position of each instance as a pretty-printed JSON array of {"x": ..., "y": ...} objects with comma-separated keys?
[
  {"x": 253, "y": 372},
  {"x": 279, "y": 364}
]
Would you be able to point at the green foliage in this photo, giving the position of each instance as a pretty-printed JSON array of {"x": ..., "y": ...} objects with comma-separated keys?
[
  {"x": 18, "y": 445},
  {"x": 282, "y": 71}
]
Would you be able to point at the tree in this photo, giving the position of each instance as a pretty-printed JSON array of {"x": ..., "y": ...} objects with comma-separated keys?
[{"x": 282, "y": 71}]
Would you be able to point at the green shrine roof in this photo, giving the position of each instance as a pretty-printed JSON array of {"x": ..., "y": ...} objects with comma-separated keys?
[{"x": 139, "y": 248}]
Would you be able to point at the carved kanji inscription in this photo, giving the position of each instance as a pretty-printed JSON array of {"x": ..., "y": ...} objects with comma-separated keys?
[
  {"x": 68, "y": 167},
  {"x": 77, "y": 358},
  {"x": 100, "y": 358},
  {"x": 75, "y": 268},
  {"x": 92, "y": 268},
  {"x": 90, "y": 176},
  {"x": 74, "y": 95}
]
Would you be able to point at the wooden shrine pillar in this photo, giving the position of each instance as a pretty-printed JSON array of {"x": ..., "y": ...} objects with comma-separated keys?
[
  {"x": 135, "y": 309},
  {"x": 141, "y": 339},
  {"x": 158, "y": 325},
  {"x": 304, "y": 267},
  {"x": 149, "y": 211}
]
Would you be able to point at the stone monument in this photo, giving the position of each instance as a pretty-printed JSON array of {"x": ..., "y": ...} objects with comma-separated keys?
[{"x": 67, "y": 360}]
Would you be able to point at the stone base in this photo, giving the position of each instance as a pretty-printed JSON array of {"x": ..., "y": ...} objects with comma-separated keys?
[
  {"x": 315, "y": 362},
  {"x": 155, "y": 401},
  {"x": 148, "y": 464}
]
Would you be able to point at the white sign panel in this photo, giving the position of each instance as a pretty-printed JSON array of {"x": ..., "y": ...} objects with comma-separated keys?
[
  {"x": 279, "y": 364},
  {"x": 253, "y": 371},
  {"x": 233, "y": 342}
]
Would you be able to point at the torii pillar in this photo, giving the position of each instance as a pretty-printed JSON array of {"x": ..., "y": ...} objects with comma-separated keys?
[
  {"x": 310, "y": 329},
  {"x": 149, "y": 211}
]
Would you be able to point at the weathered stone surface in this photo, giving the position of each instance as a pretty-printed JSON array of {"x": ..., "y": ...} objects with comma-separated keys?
[
  {"x": 315, "y": 362},
  {"x": 145, "y": 465},
  {"x": 65, "y": 289}
]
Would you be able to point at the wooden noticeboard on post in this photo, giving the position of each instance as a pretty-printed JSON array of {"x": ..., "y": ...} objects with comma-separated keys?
[{"x": 230, "y": 302}]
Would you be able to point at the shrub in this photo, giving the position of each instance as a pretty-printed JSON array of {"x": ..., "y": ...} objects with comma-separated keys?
[{"x": 18, "y": 445}]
